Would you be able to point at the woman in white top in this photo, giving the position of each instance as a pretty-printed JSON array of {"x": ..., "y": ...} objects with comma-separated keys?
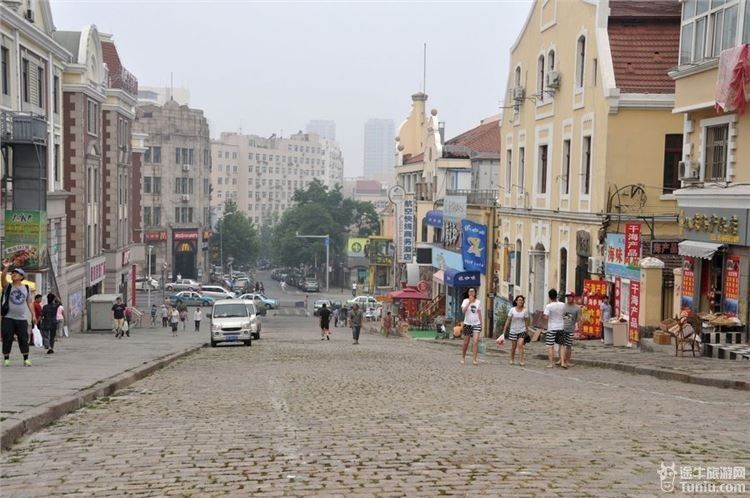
[
  {"x": 472, "y": 310},
  {"x": 518, "y": 323}
]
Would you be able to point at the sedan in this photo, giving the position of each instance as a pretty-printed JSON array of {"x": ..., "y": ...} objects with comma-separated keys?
[
  {"x": 318, "y": 305},
  {"x": 268, "y": 302},
  {"x": 191, "y": 298}
]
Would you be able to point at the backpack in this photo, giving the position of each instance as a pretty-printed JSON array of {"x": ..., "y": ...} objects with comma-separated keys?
[{"x": 5, "y": 307}]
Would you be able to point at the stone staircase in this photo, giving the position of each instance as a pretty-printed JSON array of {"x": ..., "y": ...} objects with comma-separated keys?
[{"x": 725, "y": 345}]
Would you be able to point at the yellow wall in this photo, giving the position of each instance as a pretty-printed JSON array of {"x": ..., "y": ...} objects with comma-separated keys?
[
  {"x": 696, "y": 89},
  {"x": 741, "y": 137}
]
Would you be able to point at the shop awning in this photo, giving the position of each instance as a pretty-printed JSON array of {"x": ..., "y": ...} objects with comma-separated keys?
[
  {"x": 696, "y": 249},
  {"x": 434, "y": 218},
  {"x": 457, "y": 278},
  {"x": 438, "y": 276}
]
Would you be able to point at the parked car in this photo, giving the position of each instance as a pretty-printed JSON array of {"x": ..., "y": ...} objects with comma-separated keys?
[
  {"x": 318, "y": 305},
  {"x": 190, "y": 298},
  {"x": 310, "y": 285},
  {"x": 144, "y": 283},
  {"x": 258, "y": 300},
  {"x": 256, "y": 309},
  {"x": 183, "y": 284},
  {"x": 364, "y": 302},
  {"x": 233, "y": 320},
  {"x": 242, "y": 283},
  {"x": 217, "y": 292}
]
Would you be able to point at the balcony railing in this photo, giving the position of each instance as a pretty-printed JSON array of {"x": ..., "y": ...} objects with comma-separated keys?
[
  {"x": 476, "y": 197},
  {"x": 23, "y": 128},
  {"x": 124, "y": 80}
]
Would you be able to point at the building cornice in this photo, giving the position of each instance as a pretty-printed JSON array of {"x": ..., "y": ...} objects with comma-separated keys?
[
  {"x": 714, "y": 197},
  {"x": 581, "y": 217},
  {"x": 121, "y": 109},
  {"x": 34, "y": 34},
  {"x": 694, "y": 107},
  {"x": 646, "y": 101},
  {"x": 120, "y": 94},
  {"x": 691, "y": 69},
  {"x": 87, "y": 90}
]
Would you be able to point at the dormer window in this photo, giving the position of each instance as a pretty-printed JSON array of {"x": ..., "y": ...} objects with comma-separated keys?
[
  {"x": 540, "y": 71},
  {"x": 580, "y": 61}
]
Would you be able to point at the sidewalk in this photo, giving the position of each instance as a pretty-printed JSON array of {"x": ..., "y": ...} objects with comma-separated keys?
[
  {"x": 83, "y": 368},
  {"x": 656, "y": 361}
]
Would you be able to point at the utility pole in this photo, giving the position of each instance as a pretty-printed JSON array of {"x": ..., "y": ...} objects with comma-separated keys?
[
  {"x": 148, "y": 279},
  {"x": 327, "y": 242}
]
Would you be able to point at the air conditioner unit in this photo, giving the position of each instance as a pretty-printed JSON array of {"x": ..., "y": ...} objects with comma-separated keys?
[
  {"x": 689, "y": 171},
  {"x": 594, "y": 265},
  {"x": 553, "y": 79},
  {"x": 185, "y": 198},
  {"x": 185, "y": 167},
  {"x": 519, "y": 93}
]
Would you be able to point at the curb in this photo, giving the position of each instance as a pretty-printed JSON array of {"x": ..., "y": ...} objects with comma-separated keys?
[
  {"x": 659, "y": 373},
  {"x": 41, "y": 416}
]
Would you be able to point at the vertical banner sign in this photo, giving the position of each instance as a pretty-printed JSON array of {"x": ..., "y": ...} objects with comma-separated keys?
[
  {"x": 26, "y": 238},
  {"x": 635, "y": 308},
  {"x": 406, "y": 231},
  {"x": 474, "y": 246},
  {"x": 591, "y": 313},
  {"x": 688, "y": 285},
  {"x": 732, "y": 285},
  {"x": 618, "y": 296},
  {"x": 632, "y": 244}
]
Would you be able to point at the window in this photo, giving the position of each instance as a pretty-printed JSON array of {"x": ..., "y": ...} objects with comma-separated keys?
[
  {"x": 746, "y": 32},
  {"x": 561, "y": 290},
  {"x": 5, "y": 61},
  {"x": 57, "y": 174},
  {"x": 717, "y": 146},
  {"x": 586, "y": 166},
  {"x": 517, "y": 76},
  {"x": 594, "y": 72},
  {"x": 580, "y": 61},
  {"x": 92, "y": 122},
  {"x": 565, "y": 183},
  {"x": 708, "y": 28},
  {"x": 517, "y": 258},
  {"x": 156, "y": 184},
  {"x": 551, "y": 60},
  {"x": 221, "y": 180},
  {"x": 147, "y": 185},
  {"x": 521, "y": 169},
  {"x": 540, "y": 68},
  {"x": 55, "y": 94},
  {"x": 506, "y": 260},
  {"x": 542, "y": 187},
  {"x": 147, "y": 216},
  {"x": 672, "y": 157},
  {"x": 25, "y": 80},
  {"x": 40, "y": 87}
]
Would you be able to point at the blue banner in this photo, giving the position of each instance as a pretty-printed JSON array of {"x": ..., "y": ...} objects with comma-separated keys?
[
  {"x": 474, "y": 246},
  {"x": 455, "y": 278},
  {"x": 434, "y": 219}
]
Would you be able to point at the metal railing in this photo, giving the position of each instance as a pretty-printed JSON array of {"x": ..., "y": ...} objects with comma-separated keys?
[
  {"x": 475, "y": 197},
  {"x": 23, "y": 127}
]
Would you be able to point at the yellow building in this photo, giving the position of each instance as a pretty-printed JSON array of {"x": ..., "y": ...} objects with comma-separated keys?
[
  {"x": 588, "y": 139},
  {"x": 714, "y": 197}
]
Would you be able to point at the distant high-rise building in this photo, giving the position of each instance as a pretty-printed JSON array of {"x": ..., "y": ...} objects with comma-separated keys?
[
  {"x": 323, "y": 128},
  {"x": 379, "y": 148}
]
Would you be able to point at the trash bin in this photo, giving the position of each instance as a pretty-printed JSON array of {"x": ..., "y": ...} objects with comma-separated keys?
[
  {"x": 608, "y": 334},
  {"x": 620, "y": 334}
]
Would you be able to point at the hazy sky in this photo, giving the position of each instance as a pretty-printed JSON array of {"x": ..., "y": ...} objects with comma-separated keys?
[{"x": 273, "y": 66}]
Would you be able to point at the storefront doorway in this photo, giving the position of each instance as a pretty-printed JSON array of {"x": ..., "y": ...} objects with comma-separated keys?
[
  {"x": 538, "y": 279},
  {"x": 185, "y": 260}
]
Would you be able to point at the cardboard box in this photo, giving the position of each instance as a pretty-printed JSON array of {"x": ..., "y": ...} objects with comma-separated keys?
[
  {"x": 663, "y": 338},
  {"x": 620, "y": 334}
]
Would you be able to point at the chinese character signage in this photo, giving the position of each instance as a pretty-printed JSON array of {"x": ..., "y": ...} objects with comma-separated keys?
[
  {"x": 632, "y": 244},
  {"x": 406, "y": 231},
  {"x": 615, "y": 259},
  {"x": 688, "y": 285},
  {"x": 665, "y": 247},
  {"x": 618, "y": 295},
  {"x": 474, "y": 245},
  {"x": 635, "y": 308},
  {"x": 591, "y": 313},
  {"x": 26, "y": 238},
  {"x": 97, "y": 268},
  {"x": 732, "y": 285},
  {"x": 715, "y": 225}
]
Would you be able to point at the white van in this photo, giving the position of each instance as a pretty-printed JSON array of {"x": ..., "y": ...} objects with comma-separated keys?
[
  {"x": 233, "y": 320},
  {"x": 216, "y": 292}
]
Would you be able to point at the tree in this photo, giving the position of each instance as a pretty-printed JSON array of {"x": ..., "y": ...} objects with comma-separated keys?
[{"x": 237, "y": 235}]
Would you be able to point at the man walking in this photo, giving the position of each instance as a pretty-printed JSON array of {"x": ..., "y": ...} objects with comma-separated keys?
[
  {"x": 355, "y": 321},
  {"x": 48, "y": 324},
  {"x": 571, "y": 318},
  {"x": 197, "y": 317},
  {"x": 118, "y": 317},
  {"x": 555, "y": 326},
  {"x": 17, "y": 309},
  {"x": 354, "y": 289},
  {"x": 325, "y": 323},
  {"x": 164, "y": 316}
]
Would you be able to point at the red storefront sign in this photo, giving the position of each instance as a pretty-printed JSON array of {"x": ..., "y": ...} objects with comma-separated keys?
[
  {"x": 156, "y": 236},
  {"x": 632, "y": 244},
  {"x": 591, "y": 321},
  {"x": 635, "y": 308},
  {"x": 97, "y": 269},
  {"x": 618, "y": 295},
  {"x": 192, "y": 235},
  {"x": 125, "y": 257}
]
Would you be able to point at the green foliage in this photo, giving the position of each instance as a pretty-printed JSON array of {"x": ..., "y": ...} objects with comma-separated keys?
[{"x": 238, "y": 236}]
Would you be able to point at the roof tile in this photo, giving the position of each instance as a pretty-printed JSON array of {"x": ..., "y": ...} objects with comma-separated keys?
[{"x": 642, "y": 53}]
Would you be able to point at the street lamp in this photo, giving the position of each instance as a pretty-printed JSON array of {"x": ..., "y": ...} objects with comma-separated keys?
[{"x": 326, "y": 241}]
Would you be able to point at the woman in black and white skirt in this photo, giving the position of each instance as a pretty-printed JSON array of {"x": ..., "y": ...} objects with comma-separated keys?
[{"x": 518, "y": 323}]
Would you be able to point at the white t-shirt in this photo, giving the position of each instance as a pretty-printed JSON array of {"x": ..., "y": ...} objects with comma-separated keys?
[
  {"x": 518, "y": 319},
  {"x": 197, "y": 315},
  {"x": 554, "y": 312},
  {"x": 472, "y": 312}
]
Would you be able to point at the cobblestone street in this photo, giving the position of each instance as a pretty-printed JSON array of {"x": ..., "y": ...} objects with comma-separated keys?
[{"x": 293, "y": 415}]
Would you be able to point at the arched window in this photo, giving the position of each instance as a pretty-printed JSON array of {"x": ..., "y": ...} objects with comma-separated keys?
[
  {"x": 563, "y": 271},
  {"x": 517, "y": 77},
  {"x": 519, "y": 246},
  {"x": 540, "y": 69},
  {"x": 550, "y": 60},
  {"x": 580, "y": 61},
  {"x": 506, "y": 260}
]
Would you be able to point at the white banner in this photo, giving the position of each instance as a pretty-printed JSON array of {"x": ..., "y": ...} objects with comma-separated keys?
[{"x": 406, "y": 229}]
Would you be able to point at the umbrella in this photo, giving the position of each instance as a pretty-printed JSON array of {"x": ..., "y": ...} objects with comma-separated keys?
[{"x": 408, "y": 293}]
